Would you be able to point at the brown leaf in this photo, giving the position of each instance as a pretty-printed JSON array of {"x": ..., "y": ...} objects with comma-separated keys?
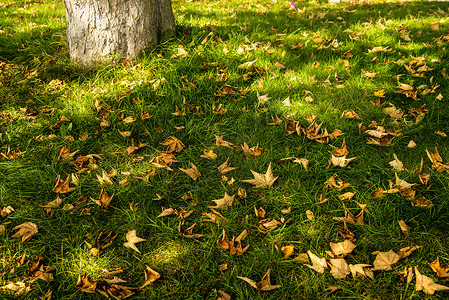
[
  {"x": 220, "y": 142},
  {"x": 214, "y": 217},
  {"x": 225, "y": 167},
  {"x": 442, "y": 272},
  {"x": 385, "y": 260},
  {"x": 260, "y": 213},
  {"x": 251, "y": 152},
  {"x": 51, "y": 206},
  {"x": 288, "y": 250},
  {"x": 349, "y": 114},
  {"x": 174, "y": 144},
  {"x": 223, "y": 203},
  {"x": 421, "y": 202},
  {"x": 318, "y": 264},
  {"x": 338, "y": 152},
  {"x": 26, "y": 230},
  {"x": 342, "y": 249},
  {"x": 346, "y": 196},
  {"x": 427, "y": 285},
  {"x": 104, "y": 200},
  {"x": 262, "y": 180},
  {"x": 132, "y": 239},
  {"x": 18, "y": 287},
  {"x": 404, "y": 227},
  {"x": 223, "y": 296},
  {"x": 62, "y": 187},
  {"x": 133, "y": 148},
  {"x": 396, "y": 164},
  {"x": 339, "y": 268},
  {"x": 150, "y": 276},
  {"x": 193, "y": 172},
  {"x": 340, "y": 161},
  {"x": 302, "y": 161},
  {"x": 209, "y": 154},
  {"x": 6, "y": 211},
  {"x": 85, "y": 285},
  {"x": 188, "y": 233},
  {"x": 263, "y": 285}
]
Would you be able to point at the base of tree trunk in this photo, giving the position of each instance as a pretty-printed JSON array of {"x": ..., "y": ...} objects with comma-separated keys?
[{"x": 103, "y": 29}]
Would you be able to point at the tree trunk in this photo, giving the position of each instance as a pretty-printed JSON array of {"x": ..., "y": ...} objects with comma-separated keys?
[{"x": 98, "y": 29}]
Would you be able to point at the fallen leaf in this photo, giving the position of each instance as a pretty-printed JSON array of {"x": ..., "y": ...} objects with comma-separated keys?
[
  {"x": 223, "y": 296},
  {"x": 225, "y": 167},
  {"x": 346, "y": 196},
  {"x": 263, "y": 285},
  {"x": 6, "y": 211},
  {"x": 18, "y": 287},
  {"x": 262, "y": 180},
  {"x": 188, "y": 233},
  {"x": 404, "y": 252},
  {"x": 339, "y": 152},
  {"x": 341, "y": 161},
  {"x": 26, "y": 230},
  {"x": 193, "y": 172},
  {"x": 403, "y": 226},
  {"x": 442, "y": 272},
  {"x": 341, "y": 249},
  {"x": 104, "y": 200},
  {"x": 427, "y": 285},
  {"x": 132, "y": 239},
  {"x": 133, "y": 148},
  {"x": 349, "y": 114},
  {"x": 361, "y": 269},
  {"x": 318, "y": 264},
  {"x": 150, "y": 276},
  {"x": 385, "y": 260},
  {"x": 51, "y": 206},
  {"x": 223, "y": 203},
  {"x": 220, "y": 142},
  {"x": 302, "y": 161},
  {"x": 85, "y": 285},
  {"x": 288, "y": 250},
  {"x": 253, "y": 151},
  {"x": 62, "y": 187},
  {"x": 174, "y": 144},
  {"x": 214, "y": 217},
  {"x": 339, "y": 268},
  {"x": 209, "y": 154},
  {"x": 396, "y": 164}
]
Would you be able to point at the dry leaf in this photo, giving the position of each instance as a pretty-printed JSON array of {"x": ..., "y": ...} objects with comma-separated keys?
[
  {"x": 338, "y": 152},
  {"x": 341, "y": 249},
  {"x": 26, "y": 230},
  {"x": 302, "y": 161},
  {"x": 223, "y": 203},
  {"x": 18, "y": 287},
  {"x": 288, "y": 250},
  {"x": 346, "y": 196},
  {"x": 51, "y": 206},
  {"x": 396, "y": 164},
  {"x": 85, "y": 285},
  {"x": 174, "y": 144},
  {"x": 361, "y": 269},
  {"x": 349, "y": 114},
  {"x": 188, "y": 233},
  {"x": 6, "y": 211},
  {"x": 150, "y": 276},
  {"x": 133, "y": 148},
  {"x": 193, "y": 172},
  {"x": 253, "y": 151},
  {"x": 214, "y": 217},
  {"x": 220, "y": 142},
  {"x": 339, "y": 268},
  {"x": 442, "y": 272},
  {"x": 104, "y": 200},
  {"x": 223, "y": 296},
  {"x": 209, "y": 154},
  {"x": 404, "y": 227},
  {"x": 427, "y": 285},
  {"x": 318, "y": 264},
  {"x": 262, "y": 180},
  {"x": 340, "y": 161},
  {"x": 225, "y": 167},
  {"x": 132, "y": 239},
  {"x": 62, "y": 187},
  {"x": 385, "y": 260},
  {"x": 263, "y": 285}
]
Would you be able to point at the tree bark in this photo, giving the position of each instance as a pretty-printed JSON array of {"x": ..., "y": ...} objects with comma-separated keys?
[{"x": 99, "y": 29}]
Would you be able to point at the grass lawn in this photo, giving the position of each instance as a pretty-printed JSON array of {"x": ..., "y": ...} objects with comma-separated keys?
[{"x": 126, "y": 171}]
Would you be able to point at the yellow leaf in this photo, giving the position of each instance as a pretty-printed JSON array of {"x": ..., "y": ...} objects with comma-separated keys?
[{"x": 262, "y": 180}]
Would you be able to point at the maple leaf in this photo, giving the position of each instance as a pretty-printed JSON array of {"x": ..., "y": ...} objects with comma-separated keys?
[
  {"x": 223, "y": 203},
  {"x": 349, "y": 114},
  {"x": 26, "y": 230},
  {"x": 51, "y": 206},
  {"x": 442, "y": 272},
  {"x": 396, "y": 164},
  {"x": 339, "y": 268},
  {"x": 18, "y": 287},
  {"x": 302, "y": 161},
  {"x": 361, "y": 269},
  {"x": 288, "y": 250},
  {"x": 263, "y": 285},
  {"x": 341, "y": 161},
  {"x": 193, "y": 172},
  {"x": 209, "y": 154},
  {"x": 85, "y": 285},
  {"x": 188, "y": 233},
  {"x": 6, "y": 211},
  {"x": 132, "y": 239},
  {"x": 62, "y": 187},
  {"x": 150, "y": 276},
  {"x": 427, "y": 285},
  {"x": 133, "y": 148},
  {"x": 262, "y": 180},
  {"x": 385, "y": 260},
  {"x": 220, "y": 142},
  {"x": 318, "y": 264},
  {"x": 341, "y": 249},
  {"x": 225, "y": 167},
  {"x": 253, "y": 151},
  {"x": 104, "y": 200},
  {"x": 174, "y": 144},
  {"x": 338, "y": 152},
  {"x": 104, "y": 178},
  {"x": 223, "y": 296},
  {"x": 214, "y": 217}
]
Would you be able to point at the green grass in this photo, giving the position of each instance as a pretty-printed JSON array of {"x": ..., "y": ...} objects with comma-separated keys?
[{"x": 36, "y": 74}]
